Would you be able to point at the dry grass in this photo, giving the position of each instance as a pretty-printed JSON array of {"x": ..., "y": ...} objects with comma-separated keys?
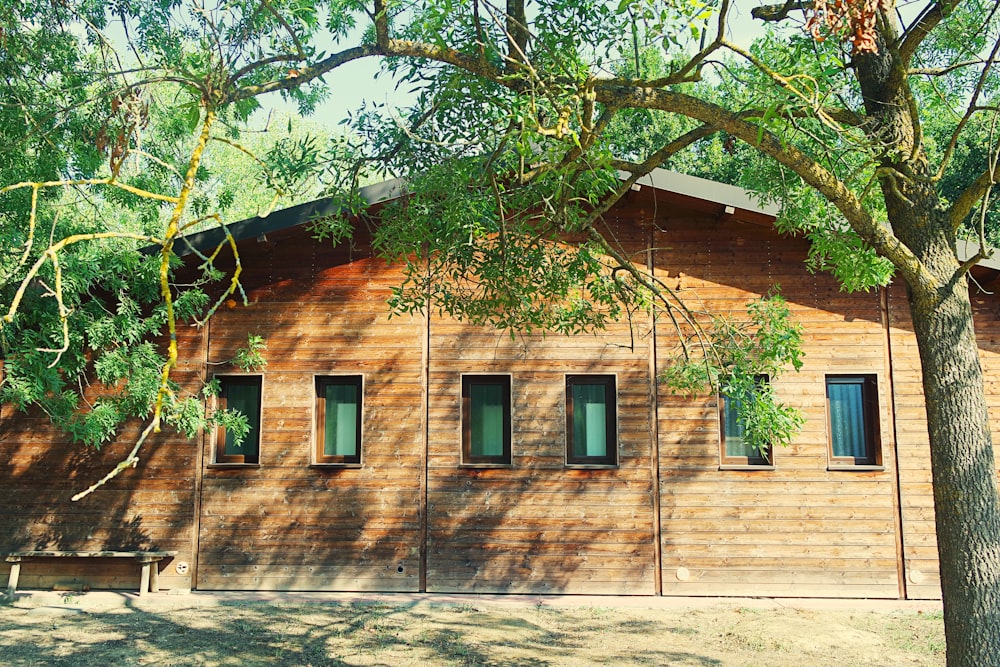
[{"x": 79, "y": 630}]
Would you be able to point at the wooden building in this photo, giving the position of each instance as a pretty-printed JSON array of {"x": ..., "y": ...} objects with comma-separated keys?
[{"x": 414, "y": 453}]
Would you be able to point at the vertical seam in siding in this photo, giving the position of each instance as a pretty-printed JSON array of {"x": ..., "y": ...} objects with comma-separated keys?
[
  {"x": 199, "y": 473},
  {"x": 654, "y": 430},
  {"x": 425, "y": 434},
  {"x": 897, "y": 500}
]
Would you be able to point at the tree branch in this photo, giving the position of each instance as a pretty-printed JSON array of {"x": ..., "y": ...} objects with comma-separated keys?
[
  {"x": 381, "y": 20},
  {"x": 772, "y": 13},
  {"x": 246, "y": 69},
  {"x": 860, "y": 220},
  {"x": 173, "y": 229},
  {"x": 941, "y": 71},
  {"x": 660, "y": 156},
  {"x": 517, "y": 33},
  {"x": 305, "y": 74},
  {"x": 684, "y": 74},
  {"x": 970, "y": 109},
  {"x": 967, "y": 201},
  {"x": 919, "y": 29},
  {"x": 787, "y": 84},
  {"x": 300, "y": 52}
]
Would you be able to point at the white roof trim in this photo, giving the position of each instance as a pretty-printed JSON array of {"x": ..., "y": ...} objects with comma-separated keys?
[
  {"x": 967, "y": 249},
  {"x": 730, "y": 195},
  {"x": 384, "y": 191},
  {"x": 702, "y": 188}
]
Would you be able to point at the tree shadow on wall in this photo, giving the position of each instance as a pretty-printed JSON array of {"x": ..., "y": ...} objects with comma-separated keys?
[{"x": 42, "y": 470}]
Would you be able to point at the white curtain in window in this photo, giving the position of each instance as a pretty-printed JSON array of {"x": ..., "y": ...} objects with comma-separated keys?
[
  {"x": 341, "y": 434},
  {"x": 590, "y": 420},
  {"x": 487, "y": 419},
  {"x": 847, "y": 419}
]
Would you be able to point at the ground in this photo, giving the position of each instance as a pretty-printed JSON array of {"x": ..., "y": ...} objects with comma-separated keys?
[{"x": 119, "y": 629}]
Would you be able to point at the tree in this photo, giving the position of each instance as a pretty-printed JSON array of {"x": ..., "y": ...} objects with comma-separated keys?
[
  {"x": 859, "y": 125},
  {"x": 843, "y": 125}
]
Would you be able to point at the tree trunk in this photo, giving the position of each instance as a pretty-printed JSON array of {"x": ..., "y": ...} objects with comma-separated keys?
[{"x": 966, "y": 503}]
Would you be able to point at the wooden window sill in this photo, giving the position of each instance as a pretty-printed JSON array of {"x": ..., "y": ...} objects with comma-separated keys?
[
  {"x": 480, "y": 466},
  {"x": 327, "y": 466},
  {"x": 746, "y": 466},
  {"x": 847, "y": 467},
  {"x": 233, "y": 465}
]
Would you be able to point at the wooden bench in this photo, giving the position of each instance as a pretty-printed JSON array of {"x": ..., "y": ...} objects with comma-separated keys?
[{"x": 149, "y": 578}]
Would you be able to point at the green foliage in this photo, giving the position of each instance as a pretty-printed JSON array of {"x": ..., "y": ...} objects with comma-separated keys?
[
  {"x": 738, "y": 353},
  {"x": 479, "y": 249},
  {"x": 676, "y": 23},
  {"x": 85, "y": 120},
  {"x": 250, "y": 357},
  {"x": 234, "y": 422}
]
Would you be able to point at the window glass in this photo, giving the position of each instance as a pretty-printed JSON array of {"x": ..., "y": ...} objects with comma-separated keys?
[
  {"x": 240, "y": 394},
  {"x": 338, "y": 419},
  {"x": 590, "y": 419},
  {"x": 736, "y": 448},
  {"x": 486, "y": 419},
  {"x": 341, "y": 431},
  {"x": 851, "y": 404},
  {"x": 734, "y": 430},
  {"x": 487, "y": 406}
]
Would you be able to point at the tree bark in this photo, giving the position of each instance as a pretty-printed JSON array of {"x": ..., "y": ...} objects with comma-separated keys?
[{"x": 966, "y": 502}]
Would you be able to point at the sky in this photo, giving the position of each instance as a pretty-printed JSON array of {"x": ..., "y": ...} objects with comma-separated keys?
[{"x": 358, "y": 82}]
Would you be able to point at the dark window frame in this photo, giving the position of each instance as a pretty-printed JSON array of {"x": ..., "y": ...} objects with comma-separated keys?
[
  {"x": 725, "y": 458},
  {"x": 468, "y": 458},
  {"x": 219, "y": 448},
  {"x": 870, "y": 417},
  {"x": 320, "y": 382},
  {"x": 610, "y": 457}
]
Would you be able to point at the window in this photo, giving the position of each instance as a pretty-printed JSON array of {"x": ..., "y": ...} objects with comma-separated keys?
[
  {"x": 242, "y": 394},
  {"x": 735, "y": 449},
  {"x": 852, "y": 411},
  {"x": 486, "y": 419},
  {"x": 591, "y": 420},
  {"x": 338, "y": 419}
]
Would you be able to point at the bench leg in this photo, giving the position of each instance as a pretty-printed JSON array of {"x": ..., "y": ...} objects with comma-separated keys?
[
  {"x": 144, "y": 578},
  {"x": 154, "y": 577},
  {"x": 15, "y": 572}
]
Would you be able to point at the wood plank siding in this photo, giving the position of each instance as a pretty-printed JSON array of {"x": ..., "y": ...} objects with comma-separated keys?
[
  {"x": 148, "y": 507},
  {"x": 539, "y": 525},
  {"x": 796, "y": 527},
  {"x": 662, "y": 515},
  {"x": 287, "y": 523}
]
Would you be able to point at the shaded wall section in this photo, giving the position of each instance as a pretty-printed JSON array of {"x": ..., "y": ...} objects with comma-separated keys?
[
  {"x": 149, "y": 507},
  {"x": 797, "y": 529},
  {"x": 540, "y": 526},
  {"x": 288, "y": 524}
]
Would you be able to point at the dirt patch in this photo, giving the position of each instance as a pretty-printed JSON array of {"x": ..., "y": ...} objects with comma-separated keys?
[{"x": 90, "y": 630}]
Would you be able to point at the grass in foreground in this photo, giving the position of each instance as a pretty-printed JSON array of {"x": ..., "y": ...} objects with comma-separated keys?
[{"x": 331, "y": 634}]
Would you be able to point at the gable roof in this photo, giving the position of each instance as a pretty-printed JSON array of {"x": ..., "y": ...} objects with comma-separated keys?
[
  {"x": 711, "y": 191},
  {"x": 289, "y": 217},
  {"x": 732, "y": 201}
]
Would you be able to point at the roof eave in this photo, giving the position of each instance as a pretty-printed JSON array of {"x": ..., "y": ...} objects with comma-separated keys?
[{"x": 290, "y": 217}]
